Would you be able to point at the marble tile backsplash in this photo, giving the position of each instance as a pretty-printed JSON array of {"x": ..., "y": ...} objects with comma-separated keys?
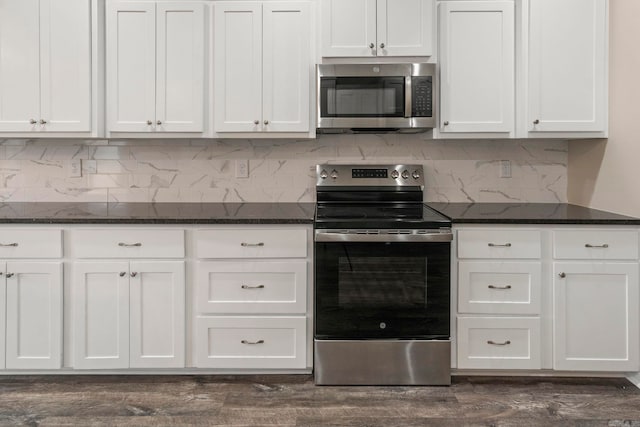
[{"x": 280, "y": 170}]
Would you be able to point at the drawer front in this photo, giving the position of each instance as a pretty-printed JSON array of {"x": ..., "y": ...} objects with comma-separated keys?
[
  {"x": 499, "y": 343},
  {"x": 251, "y": 342},
  {"x": 252, "y": 287},
  {"x": 499, "y": 244},
  {"x": 21, "y": 243},
  {"x": 256, "y": 243},
  {"x": 126, "y": 243},
  {"x": 595, "y": 244},
  {"x": 499, "y": 287}
]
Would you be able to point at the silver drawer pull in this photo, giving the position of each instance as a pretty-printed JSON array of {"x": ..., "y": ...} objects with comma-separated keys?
[
  {"x": 6, "y": 245},
  {"x": 252, "y": 287},
  {"x": 605, "y": 246},
  {"x": 122, "y": 274},
  {"x": 499, "y": 343},
  {"x": 252, "y": 342},
  {"x": 134, "y": 274},
  {"x": 495, "y": 245},
  {"x": 129, "y": 245},
  {"x": 499, "y": 287},
  {"x": 244, "y": 244},
  {"x": 9, "y": 275}
]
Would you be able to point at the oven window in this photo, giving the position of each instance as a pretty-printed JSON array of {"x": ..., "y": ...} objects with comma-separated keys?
[
  {"x": 362, "y": 97},
  {"x": 382, "y": 282}
]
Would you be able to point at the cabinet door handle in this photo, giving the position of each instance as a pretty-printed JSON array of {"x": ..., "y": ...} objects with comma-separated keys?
[
  {"x": 245, "y": 245},
  {"x": 371, "y": 45},
  {"x": 605, "y": 246},
  {"x": 562, "y": 275},
  {"x": 536, "y": 122},
  {"x": 130, "y": 245},
  {"x": 123, "y": 273},
  {"x": 381, "y": 45},
  {"x": 252, "y": 342},
  {"x": 33, "y": 121},
  {"x": 159, "y": 122},
  {"x": 252, "y": 287},
  {"x": 446, "y": 123},
  {"x": 266, "y": 122},
  {"x": 9, "y": 275},
  {"x": 499, "y": 287},
  {"x": 495, "y": 245},
  {"x": 507, "y": 342},
  {"x": 43, "y": 122},
  {"x": 134, "y": 274},
  {"x": 8, "y": 244},
  {"x": 149, "y": 122}
]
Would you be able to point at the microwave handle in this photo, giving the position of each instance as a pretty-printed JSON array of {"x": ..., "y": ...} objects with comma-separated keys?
[{"x": 408, "y": 92}]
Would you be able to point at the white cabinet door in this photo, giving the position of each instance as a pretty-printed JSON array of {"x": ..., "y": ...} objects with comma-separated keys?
[
  {"x": 567, "y": 65},
  {"x": 180, "y": 67},
  {"x": 238, "y": 66},
  {"x": 157, "y": 297},
  {"x": 596, "y": 316},
  {"x": 34, "y": 315},
  {"x": 131, "y": 59},
  {"x": 65, "y": 59},
  {"x": 286, "y": 67},
  {"x": 101, "y": 315},
  {"x": 349, "y": 27},
  {"x": 19, "y": 65},
  {"x": 405, "y": 27},
  {"x": 477, "y": 66}
]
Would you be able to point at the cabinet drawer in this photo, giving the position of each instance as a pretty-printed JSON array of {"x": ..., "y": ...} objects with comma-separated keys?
[
  {"x": 21, "y": 243},
  {"x": 256, "y": 243},
  {"x": 499, "y": 287},
  {"x": 595, "y": 244},
  {"x": 251, "y": 342},
  {"x": 499, "y": 244},
  {"x": 499, "y": 343},
  {"x": 252, "y": 287},
  {"x": 126, "y": 243}
]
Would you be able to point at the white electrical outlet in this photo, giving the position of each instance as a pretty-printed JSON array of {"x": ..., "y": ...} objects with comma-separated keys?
[
  {"x": 505, "y": 168},
  {"x": 89, "y": 166},
  {"x": 75, "y": 169},
  {"x": 242, "y": 168}
]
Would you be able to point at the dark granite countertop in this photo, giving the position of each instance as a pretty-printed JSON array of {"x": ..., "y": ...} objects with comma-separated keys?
[
  {"x": 157, "y": 213},
  {"x": 529, "y": 213}
]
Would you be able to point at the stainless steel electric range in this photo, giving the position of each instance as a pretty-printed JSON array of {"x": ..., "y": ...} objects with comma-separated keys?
[{"x": 382, "y": 279}]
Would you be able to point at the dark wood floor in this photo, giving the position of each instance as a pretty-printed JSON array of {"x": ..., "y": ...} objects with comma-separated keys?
[{"x": 295, "y": 401}]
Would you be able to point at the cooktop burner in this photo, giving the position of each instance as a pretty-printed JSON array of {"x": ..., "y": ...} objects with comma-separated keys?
[{"x": 373, "y": 196}]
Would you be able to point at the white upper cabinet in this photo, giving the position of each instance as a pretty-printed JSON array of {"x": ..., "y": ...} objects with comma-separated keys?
[
  {"x": 477, "y": 67},
  {"x": 262, "y": 67},
  {"x": 366, "y": 28},
  {"x": 567, "y": 66},
  {"x": 155, "y": 66},
  {"x": 45, "y": 66}
]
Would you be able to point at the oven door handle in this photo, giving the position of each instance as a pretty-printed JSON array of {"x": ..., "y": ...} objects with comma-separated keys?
[{"x": 383, "y": 238}]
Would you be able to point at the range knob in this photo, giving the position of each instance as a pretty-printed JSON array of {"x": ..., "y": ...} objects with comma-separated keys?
[
  {"x": 324, "y": 174},
  {"x": 415, "y": 174},
  {"x": 405, "y": 174},
  {"x": 334, "y": 174},
  {"x": 395, "y": 174}
]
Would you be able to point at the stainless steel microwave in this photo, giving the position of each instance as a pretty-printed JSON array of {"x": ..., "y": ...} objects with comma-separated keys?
[{"x": 375, "y": 97}]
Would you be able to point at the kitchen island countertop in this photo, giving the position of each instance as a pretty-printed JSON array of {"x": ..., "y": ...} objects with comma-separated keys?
[
  {"x": 528, "y": 213},
  {"x": 156, "y": 213}
]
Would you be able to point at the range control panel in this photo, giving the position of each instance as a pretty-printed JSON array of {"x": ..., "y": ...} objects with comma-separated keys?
[{"x": 369, "y": 175}]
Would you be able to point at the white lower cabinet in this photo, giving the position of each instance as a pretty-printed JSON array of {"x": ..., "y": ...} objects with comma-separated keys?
[
  {"x": 33, "y": 314},
  {"x": 251, "y": 342},
  {"x": 595, "y": 308},
  {"x": 499, "y": 343},
  {"x": 129, "y": 314}
]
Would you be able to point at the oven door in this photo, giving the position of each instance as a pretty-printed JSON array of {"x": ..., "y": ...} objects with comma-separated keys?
[{"x": 382, "y": 289}]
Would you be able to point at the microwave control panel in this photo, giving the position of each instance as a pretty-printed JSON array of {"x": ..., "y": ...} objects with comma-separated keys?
[{"x": 421, "y": 96}]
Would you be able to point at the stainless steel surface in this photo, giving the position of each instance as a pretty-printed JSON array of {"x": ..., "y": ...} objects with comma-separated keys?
[
  {"x": 341, "y": 175},
  {"x": 382, "y": 362},
  {"x": 244, "y": 244},
  {"x": 562, "y": 275},
  {"x": 402, "y": 124},
  {"x": 499, "y": 245},
  {"x": 507, "y": 342},
  {"x": 408, "y": 95},
  {"x": 444, "y": 235},
  {"x": 605, "y": 246},
  {"x": 8, "y": 244},
  {"x": 130, "y": 245}
]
